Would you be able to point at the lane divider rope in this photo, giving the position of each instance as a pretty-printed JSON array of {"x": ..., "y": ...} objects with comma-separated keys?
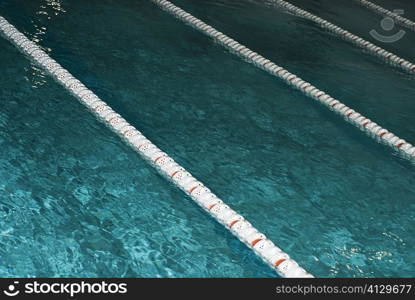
[
  {"x": 384, "y": 12},
  {"x": 372, "y": 129},
  {"x": 281, "y": 262},
  {"x": 371, "y": 48}
]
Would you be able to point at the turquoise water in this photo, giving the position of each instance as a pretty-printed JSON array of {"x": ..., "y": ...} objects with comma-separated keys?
[{"x": 75, "y": 201}]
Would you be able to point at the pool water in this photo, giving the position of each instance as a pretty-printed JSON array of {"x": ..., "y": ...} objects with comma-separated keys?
[{"x": 76, "y": 201}]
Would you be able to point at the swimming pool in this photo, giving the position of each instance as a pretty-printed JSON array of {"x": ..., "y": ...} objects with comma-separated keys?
[{"x": 83, "y": 204}]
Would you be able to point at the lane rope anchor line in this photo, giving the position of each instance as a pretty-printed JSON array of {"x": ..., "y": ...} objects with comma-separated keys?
[
  {"x": 384, "y": 12},
  {"x": 405, "y": 149},
  {"x": 345, "y": 35},
  {"x": 278, "y": 260}
]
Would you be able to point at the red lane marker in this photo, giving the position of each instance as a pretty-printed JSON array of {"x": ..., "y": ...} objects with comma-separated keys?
[
  {"x": 333, "y": 105},
  {"x": 280, "y": 261},
  {"x": 400, "y": 145},
  {"x": 192, "y": 189},
  {"x": 382, "y": 134},
  {"x": 255, "y": 242},
  {"x": 365, "y": 124},
  {"x": 155, "y": 161},
  {"x": 320, "y": 96},
  {"x": 212, "y": 206},
  {"x": 174, "y": 173},
  {"x": 349, "y": 114},
  {"x": 233, "y": 223}
]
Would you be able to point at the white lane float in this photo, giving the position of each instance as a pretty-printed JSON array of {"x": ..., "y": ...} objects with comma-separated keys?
[
  {"x": 277, "y": 259},
  {"x": 405, "y": 149}
]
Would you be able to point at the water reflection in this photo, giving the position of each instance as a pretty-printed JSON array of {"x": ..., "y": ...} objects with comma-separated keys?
[{"x": 46, "y": 13}]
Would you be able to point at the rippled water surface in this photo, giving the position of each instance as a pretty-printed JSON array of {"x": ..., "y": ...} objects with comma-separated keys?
[{"x": 76, "y": 201}]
